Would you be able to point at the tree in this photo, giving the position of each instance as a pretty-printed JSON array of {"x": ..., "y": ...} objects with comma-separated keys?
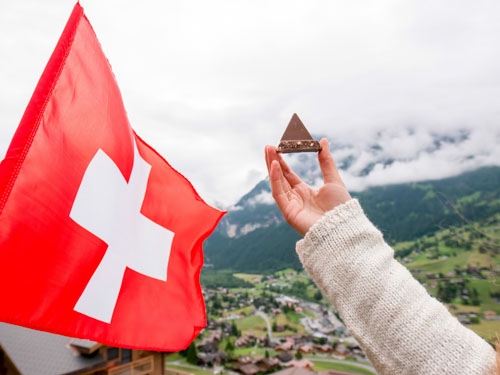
[
  {"x": 192, "y": 354},
  {"x": 322, "y": 340},
  {"x": 318, "y": 296},
  {"x": 298, "y": 355},
  {"x": 216, "y": 303},
  {"x": 446, "y": 292},
  {"x": 229, "y": 349},
  {"x": 474, "y": 296},
  {"x": 234, "y": 330}
]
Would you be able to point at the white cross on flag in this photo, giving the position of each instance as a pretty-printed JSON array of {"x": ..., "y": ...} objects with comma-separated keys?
[{"x": 100, "y": 238}]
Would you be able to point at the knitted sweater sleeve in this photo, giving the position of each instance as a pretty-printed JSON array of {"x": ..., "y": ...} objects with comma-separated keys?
[{"x": 401, "y": 328}]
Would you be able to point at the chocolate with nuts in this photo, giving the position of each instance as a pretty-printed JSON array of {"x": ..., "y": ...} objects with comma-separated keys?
[{"x": 296, "y": 138}]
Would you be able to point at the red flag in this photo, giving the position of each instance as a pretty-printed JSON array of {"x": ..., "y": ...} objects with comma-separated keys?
[{"x": 100, "y": 238}]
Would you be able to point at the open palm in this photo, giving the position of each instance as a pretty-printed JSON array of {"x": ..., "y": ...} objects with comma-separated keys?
[{"x": 300, "y": 204}]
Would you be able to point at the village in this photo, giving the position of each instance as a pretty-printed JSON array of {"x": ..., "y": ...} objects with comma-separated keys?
[
  {"x": 281, "y": 324},
  {"x": 250, "y": 331},
  {"x": 265, "y": 331},
  {"x": 284, "y": 324}
]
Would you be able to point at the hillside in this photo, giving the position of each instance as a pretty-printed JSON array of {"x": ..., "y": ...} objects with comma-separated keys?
[{"x": 254, "y": 238}]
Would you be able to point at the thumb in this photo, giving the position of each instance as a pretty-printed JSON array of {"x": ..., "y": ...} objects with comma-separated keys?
[{"x": 327, "y": 164}]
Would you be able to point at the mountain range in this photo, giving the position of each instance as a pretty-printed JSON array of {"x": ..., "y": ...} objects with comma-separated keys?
[{"x": 253, "y": 237}]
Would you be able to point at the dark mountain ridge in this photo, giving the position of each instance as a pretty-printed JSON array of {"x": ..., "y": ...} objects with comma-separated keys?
[{"x": 254, "y": 238}]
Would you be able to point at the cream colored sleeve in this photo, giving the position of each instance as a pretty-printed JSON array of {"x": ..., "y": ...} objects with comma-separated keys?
[{"x": 401, "y": 328}]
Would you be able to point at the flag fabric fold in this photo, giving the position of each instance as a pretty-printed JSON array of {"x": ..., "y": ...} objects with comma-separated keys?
[{"x": 100, "y": 238}]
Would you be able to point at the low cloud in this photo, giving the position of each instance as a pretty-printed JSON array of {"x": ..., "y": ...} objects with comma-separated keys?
[
  {"x": 210, "y": 84},
  {"x": 264, "y": 197},
  {"x": 420, "y": 157}
]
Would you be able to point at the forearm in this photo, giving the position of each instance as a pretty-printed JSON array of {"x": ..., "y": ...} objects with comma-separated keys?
[{"x": 401, "y": 328}]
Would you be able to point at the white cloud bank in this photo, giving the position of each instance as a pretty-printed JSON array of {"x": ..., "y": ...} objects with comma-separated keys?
[{"x": 208, "y": 84}]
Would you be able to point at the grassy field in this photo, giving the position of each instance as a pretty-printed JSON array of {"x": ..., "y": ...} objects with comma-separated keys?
[
  {"x": 248, "y": 277},
  {"x": 188, "y": 368},
  {"x": 256, "y": 325},
  {"x": 440, "y": 265},
  {"x": 252, "y": 324},
  {"x": 301, "y": 277},
  {"x": 286, "y": 272},
  {"x": 463, "y": 308},
  {"x": 244, "y": 311},
  {"x": 484, "y": 288},
  {"x": 258, "y": 352},
  {"x": 477, "y": 235},
  {"x": 250, "y": 291},
  {"x": 294, "y": 317},
  {"x": 348, "y": 367},
  {"x": 175, "y": 361},
  {"x": 481, "y": 236},
  {"x": 292, "y": 320},
  {"x": 487, "y": 329}
]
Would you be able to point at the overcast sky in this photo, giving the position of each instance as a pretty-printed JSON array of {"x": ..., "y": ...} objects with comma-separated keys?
[{"x": 209, "y": 83}]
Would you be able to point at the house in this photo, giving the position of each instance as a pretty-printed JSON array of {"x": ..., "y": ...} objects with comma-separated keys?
[
  {"x": 491, "y": 315},
  {"x": 326, "y": 323},
  {"x": 341, "y": 350},
  {"x": 333, "y": 372},
  {"x": 211, "y": 359},
  {"x": 305, "y": 348},
  {"x": 267, "y": 364},
  {"x": 292, "y": 370},
  {"x": 313, "y": 325},
  {"x": 211, "y": 324},
  {"x": 286, "y": 346},
  {"x": 232, "y": 316},
  {"x": 208, "y": 346},
  {"x": 284, "y": 357},
  {"x": 243, "y": 360},
  {"x": 356, "y": 352},
  {"x": 25, "y": 351},
  {"x": 248, "y": 369},
  {"x": 302, "y": 339},
  {"x": 465, "y": 317},
  {"x": 262, "y": 340},
  {"x": 241, "y": 342},
  {"x": 302, "y": 363},
  {"x": 245, "y": 340},
  {"x": 323, "y": 348},
  {"x": 215, "y": 335},
  {"x": 433, "y": 283},
  {"x": 287, "y": 301}
]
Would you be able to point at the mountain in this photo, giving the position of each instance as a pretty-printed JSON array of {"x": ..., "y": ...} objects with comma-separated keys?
[
  {"x": 383, "y": 158},
  {"x": 252, "y": 237}
]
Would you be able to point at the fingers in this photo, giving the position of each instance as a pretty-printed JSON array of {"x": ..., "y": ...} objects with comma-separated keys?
[
  {"x": 276, "y": 178},
  {"x": 327, "y": 164},
  {"x": 279, "y": 187},
  {"x": 271, "y": 154},
  {"x": 291, "y": 178},
  {"x": 290, "y": 175}
]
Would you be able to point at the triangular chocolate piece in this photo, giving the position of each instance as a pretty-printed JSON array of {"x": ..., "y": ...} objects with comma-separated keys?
[{"x": 296, "y": 138}]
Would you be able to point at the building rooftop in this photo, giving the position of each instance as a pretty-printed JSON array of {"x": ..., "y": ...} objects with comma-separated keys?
[{"x": 40, "y": 353}]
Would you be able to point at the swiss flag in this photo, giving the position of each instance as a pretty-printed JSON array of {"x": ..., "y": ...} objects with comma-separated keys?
[{"x": 100, "y": 238}]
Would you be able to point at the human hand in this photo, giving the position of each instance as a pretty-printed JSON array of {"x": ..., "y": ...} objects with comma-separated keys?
[{"x": 300, "y": 204}]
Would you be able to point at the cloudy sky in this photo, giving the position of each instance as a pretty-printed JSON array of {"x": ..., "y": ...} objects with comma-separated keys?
[{"x": 209, "y": 83}]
